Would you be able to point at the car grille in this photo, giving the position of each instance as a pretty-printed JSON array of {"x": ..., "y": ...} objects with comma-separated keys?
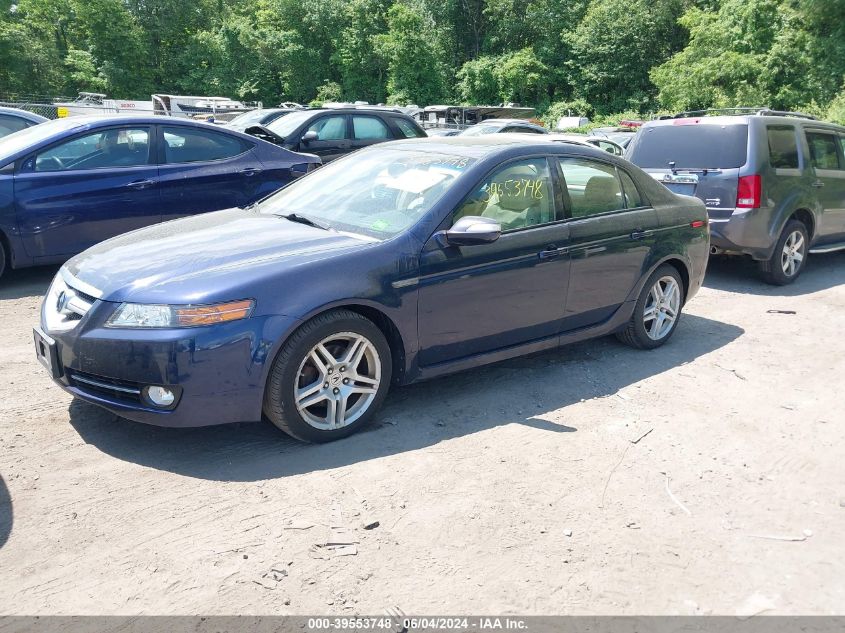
[
  {"x": 65, "y": 304},
  {"x": 115, "y": 389}
]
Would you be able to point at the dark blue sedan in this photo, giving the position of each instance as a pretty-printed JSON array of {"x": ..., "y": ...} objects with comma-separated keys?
[
  {"x": 70, "y": 183},
  {"x": 402, "y": 262}
]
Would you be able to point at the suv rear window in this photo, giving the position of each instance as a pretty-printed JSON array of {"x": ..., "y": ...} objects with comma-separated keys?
[{"x": 701, "y": 146}]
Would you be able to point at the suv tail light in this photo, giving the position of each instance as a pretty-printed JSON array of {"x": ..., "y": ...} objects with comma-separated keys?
[{"x": 748, "y": 192}]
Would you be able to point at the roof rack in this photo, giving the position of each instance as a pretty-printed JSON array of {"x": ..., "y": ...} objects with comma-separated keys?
[{"x": 756, "y": 111}]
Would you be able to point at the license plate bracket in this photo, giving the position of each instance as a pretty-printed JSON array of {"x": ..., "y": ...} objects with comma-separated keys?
[{"x": 46, "y": 349}]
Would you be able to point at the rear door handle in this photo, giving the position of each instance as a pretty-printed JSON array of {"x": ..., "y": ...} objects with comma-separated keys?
[
  {"x": 140, "y": 184},
  {"x": 818, "y": 184},
  {"x": 638, "y": 234},
  {"x": 250, "y": 171}
]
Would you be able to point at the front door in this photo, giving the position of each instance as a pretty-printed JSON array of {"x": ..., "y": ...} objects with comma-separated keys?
[
  {"x": 612, "y": 231},
  {"x": 87, "y": 189},
  {"x": 332, "y": 137},
  {"x": 476, "y": 299}
]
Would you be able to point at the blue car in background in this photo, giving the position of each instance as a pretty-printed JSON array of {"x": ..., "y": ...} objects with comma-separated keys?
[
  {"x": 14, "y": 120},
  {"x": 405, "y": 261},
  {"x": 68, "y": 184}
]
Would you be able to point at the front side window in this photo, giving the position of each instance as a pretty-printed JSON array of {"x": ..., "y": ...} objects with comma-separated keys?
[
  {"x": 368, "y": 128},
  {"x": 125, "y": 147},
  {"x": 376, "y": 192},
  {"x": 330, "y": 128},
  {"x": 783, "y": 148},
  {"x": 516, "y": 196},
  {"x": 593, "y": 187},
  {"x": 824, "y": 150},
  {"x": 189, "y": 145}
]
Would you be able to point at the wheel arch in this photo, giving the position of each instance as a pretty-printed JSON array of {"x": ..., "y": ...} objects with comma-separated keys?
[
  {"x": 676, "y": 261},
  {"x": 806, "y": 217},
  {"x": 375, "y": 313}
]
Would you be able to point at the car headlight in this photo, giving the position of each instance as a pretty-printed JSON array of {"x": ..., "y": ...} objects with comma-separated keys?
[{"x": 142, "y": 315}]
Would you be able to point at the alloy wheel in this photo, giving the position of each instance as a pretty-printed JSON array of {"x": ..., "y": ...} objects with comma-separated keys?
[
  {"x": 792, "y": 255},
  {"x": 662, "y": 308},
  {"x": 337, "y": 381}
]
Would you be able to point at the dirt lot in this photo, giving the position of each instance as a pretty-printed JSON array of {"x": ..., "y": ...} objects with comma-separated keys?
[{"x": 519, "y": 488}]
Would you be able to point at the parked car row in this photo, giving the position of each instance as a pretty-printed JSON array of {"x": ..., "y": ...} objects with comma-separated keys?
[{"x": 314, "y": 290}]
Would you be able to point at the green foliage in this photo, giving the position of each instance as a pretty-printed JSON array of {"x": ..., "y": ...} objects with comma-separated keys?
[
  {"x": 575, "y": 107},
  {"x": 588, "y": 56}
]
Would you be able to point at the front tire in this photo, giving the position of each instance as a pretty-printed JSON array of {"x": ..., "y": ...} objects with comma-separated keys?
[
  {"x": 329, "y": 378},
  {"x": 657, "y": 311},
  {"x": 790, "y": 253}
]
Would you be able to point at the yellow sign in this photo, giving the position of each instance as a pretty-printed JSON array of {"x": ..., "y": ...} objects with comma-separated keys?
[{"x": 61, "y": 112}]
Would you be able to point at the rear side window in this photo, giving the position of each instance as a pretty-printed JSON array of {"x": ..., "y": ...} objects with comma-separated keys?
[
  {"x": 187, "y": 145},
  {"x": 10, "y": 124},
  {"x": 408, "y": 129},
  {"x": 367, "y": 128},
  {"x": 825, "y": 152},
  {"x": 783, "y": 148},
  {"x": 593, "y": 187},
  {"x": 632, "y": 195},
  {"x": 693, "y": 146}
]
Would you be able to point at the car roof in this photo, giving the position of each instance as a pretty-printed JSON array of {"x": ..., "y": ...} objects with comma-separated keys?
[
  {"x": 489, "y": 145},
  {"x": 739, "y": 119},
  {"x": 24, "y": 114}
]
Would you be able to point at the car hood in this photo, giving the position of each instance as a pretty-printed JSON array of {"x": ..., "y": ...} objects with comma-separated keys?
[{"x": 205, "y": 258}]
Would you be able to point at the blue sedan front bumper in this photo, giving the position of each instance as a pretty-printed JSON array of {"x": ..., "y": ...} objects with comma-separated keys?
[{"x": 218, "y": 371}]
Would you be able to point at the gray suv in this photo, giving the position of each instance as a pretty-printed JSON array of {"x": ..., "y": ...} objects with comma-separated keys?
[{"x": 773, "y": 182}]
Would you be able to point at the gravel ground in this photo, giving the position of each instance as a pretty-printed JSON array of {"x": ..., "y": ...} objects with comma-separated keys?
[{"x": 704, "y": 477}]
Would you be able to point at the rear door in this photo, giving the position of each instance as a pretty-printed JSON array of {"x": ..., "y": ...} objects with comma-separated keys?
[
  {"x": 828, "y": 165},
  {"x": 368, "y": 130},
  {"x": 86, "y": 189},
  {"x": 205, "y": 170},
  {"x": 612, "y": 229}
]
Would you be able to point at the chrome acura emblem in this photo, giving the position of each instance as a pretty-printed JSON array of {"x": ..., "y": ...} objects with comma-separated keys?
[{"x": 62, "y": 302}]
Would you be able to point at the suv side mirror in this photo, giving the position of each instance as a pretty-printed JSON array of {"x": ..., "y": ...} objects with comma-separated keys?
[
  {"x": 473, "y": 229},
  {"x": 309, "y": 136}
]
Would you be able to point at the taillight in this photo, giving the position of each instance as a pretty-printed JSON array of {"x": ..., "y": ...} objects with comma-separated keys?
[
  {"x": 748, "y": 192},
  {"x": 697, "y": 224}
]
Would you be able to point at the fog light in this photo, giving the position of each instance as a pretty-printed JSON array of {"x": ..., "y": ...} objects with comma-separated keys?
[{"x": 160, "y": 396}]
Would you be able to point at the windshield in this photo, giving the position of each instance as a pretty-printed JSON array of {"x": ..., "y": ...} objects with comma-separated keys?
[
  {"x": 700, "y": 146},
  {"x": 377, "y": 193},
  {"x": 478, "y": 130},
  {"x": 251, "y": 118},
  {"x": 19, "y": 141},
  {"x": 288, "y": 124}
]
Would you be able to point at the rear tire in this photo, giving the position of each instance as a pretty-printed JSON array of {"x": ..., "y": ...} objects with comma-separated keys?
[
  {"x": 790, "y": 254},
  {"x": 330, "y": 377},
  {"x": 657, "y": 311}
]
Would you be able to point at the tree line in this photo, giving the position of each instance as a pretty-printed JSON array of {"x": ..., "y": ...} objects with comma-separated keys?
[{"x": 591, "y": 57}]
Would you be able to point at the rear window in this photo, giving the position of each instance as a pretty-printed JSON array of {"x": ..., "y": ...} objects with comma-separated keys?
[{"x": 700, "y": 146}]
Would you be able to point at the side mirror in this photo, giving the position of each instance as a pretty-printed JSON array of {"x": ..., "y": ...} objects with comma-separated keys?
[
  {"x": 473, "y": 229},
  {"x": 309, "y": 136}
]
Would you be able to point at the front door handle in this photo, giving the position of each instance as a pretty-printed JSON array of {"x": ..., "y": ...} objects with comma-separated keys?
[
  {"x": 551, "y": 252},
  {"x": 818, "y": 184},
  {"x": 250, "y": 171},
  {"x": 140, "y": 184},
  {"x": 638, "y": 234}
]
